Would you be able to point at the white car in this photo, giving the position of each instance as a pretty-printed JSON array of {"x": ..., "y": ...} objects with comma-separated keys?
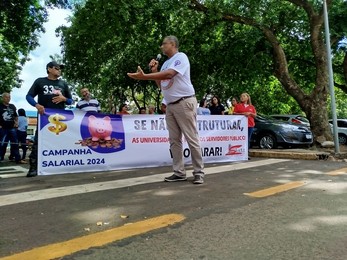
[{"x": 341, "y": 129}]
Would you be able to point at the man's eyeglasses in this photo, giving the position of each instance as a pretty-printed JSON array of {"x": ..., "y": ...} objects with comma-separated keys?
[{"x": 56, "y": 68}]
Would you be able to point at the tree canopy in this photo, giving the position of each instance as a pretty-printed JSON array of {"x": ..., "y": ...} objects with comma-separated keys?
[
  {"x": 21, "y": 22},
  {"x": 272, "y": 49}
]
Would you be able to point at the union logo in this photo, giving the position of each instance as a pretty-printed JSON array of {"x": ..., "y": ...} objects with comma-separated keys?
[
  {"x": 177, "y": 62},
  {"x": 235, "y": 149}
]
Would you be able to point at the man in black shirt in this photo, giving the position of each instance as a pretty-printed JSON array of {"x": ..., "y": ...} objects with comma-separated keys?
[
  {"x": 52, "y": 92},
  {"x": 8, "y": 125}
]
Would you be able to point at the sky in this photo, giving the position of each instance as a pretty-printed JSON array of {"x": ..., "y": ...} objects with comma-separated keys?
[{"x": 36, "y": 67}]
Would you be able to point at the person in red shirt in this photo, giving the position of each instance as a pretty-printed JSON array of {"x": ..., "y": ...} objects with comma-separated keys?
[{"x": 246, "y": 108}]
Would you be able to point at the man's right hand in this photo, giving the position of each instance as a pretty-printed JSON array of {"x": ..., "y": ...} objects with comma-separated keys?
[
  {"x": 40, "y": 109},
  {"x": 138, "y": 74},
  {"x": 153, "y": 64}
]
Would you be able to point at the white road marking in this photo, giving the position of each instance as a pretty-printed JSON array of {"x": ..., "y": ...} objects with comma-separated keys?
[
  {"x": 12, "y": 171},
  {"x": 117, "y": 184},
  {"x": 14, "y": 175}
]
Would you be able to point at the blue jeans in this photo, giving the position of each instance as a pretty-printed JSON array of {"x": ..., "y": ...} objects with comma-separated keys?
[
  {"x": 7, "y": 135},
  {"x": 22, "y": 139},
  {"x": 250, "y": 132}
]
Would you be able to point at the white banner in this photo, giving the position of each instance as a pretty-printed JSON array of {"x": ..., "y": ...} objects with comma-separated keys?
[{"x": 76, "y": 141}]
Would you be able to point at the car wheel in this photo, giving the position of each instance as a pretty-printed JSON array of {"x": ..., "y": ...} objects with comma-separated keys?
[
  {"x": 342, "y": 139},
  {"x": 267, "y": 141}
]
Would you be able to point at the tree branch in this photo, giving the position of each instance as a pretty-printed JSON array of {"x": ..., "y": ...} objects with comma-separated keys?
[{"x": 305, "y": 5}]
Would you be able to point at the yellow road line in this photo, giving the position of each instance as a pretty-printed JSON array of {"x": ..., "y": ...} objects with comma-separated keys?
[
  {"x": 338, "y": 172},
  {"x": 98, "y": 239},
  {"x": 276, "y": 189}
]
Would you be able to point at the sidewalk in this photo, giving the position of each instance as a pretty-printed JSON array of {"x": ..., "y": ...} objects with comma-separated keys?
[{"x": 301, "y": 154}]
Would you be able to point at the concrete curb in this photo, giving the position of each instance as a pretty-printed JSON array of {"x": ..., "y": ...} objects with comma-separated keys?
[{"x": 288, "y": 154}]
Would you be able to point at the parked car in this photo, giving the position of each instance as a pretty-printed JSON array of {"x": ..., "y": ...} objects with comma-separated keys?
[
  {"x": 296, "y": 119},
  {"x": 341, "y": 130},
  {"x": 270, "y": 133}
]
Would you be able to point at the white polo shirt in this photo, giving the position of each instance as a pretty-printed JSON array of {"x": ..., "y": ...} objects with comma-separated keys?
[{"x": 180, "y": 85}]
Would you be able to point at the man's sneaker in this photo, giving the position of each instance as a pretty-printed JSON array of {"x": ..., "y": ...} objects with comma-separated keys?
[
  {"x": 174, "y": 177},
  {"x": 198, "y": 179}
]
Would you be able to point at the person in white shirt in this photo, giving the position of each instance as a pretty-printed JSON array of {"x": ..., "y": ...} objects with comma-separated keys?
[
  {"x": 178, "y": 91},
  {"x": 202, "y": 109},
  {"x": 22, "y": 132}
]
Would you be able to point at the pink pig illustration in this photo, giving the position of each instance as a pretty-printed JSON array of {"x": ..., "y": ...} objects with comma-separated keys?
[{"x": 100, "y": 128}]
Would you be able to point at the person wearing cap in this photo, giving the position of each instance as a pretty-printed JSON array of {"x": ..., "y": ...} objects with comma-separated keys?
[
  {"x": 51, "y": 92},
  {"x": 178, "y": 91}
]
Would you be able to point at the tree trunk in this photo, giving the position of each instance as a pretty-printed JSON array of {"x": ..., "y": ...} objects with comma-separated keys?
[
  {"x": 314, "y": 104},
  {"x": 318, "y": 115}
]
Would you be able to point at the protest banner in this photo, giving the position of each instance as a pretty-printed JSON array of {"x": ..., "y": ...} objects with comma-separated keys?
[{"x": 72, "y": 141}]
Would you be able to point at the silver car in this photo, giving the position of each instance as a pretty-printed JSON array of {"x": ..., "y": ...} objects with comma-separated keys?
[
  {"x": 295, "y": 119},
  {"x": 341, "y": 130},
  {"x": 270, "y": 133}
]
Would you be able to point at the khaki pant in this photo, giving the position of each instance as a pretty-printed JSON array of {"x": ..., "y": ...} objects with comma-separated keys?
[{"x": 181, "y": 119}]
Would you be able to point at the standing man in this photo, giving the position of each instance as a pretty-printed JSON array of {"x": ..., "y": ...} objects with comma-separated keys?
[
  {"x": 52, "y": 92},
  {"x": 88, "y": 103},
  {"x": 179, "y": 93},
  {"x": 8, "y": 127}
]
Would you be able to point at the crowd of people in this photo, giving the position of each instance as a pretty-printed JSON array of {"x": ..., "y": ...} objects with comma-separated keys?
[
  {"x": 244, "y": 107},
  {"x": 204, "y": 108},
  {"x": 150, "y": 110}
]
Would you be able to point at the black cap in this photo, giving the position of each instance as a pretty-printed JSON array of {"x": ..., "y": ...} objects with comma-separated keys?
[{"x": 54, "y": 64}]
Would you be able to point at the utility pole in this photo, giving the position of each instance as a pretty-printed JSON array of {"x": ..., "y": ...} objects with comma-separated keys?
[{"x": 331, "y": 77}]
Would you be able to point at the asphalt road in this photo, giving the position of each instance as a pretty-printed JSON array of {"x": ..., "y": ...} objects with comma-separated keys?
[{"x": 217, "y": 220}]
